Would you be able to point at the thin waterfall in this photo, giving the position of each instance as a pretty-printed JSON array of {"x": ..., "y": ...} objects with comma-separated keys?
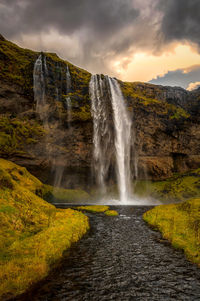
[
  {"x": 39, "y": 85},
  {"x": 122, "y": 124},
  {"x": 40, "y": 80},
  {"x": 69, "y": 110},
  {"x": 57, "y": 168},
  {"x": 68, "y": 80}
]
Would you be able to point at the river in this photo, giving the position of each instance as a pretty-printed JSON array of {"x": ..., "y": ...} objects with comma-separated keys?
[{"x": 120, "y": 258}]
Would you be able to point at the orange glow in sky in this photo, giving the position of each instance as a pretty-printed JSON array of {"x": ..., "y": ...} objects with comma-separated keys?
[{"x": 144, "y": 66}]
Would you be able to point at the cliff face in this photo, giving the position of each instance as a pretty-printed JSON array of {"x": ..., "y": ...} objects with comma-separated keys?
[{"x": 166, "y": 121}]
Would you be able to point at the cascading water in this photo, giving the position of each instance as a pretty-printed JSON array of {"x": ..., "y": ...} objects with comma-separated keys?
[
  {"x": 69, "y": 109},
  {"x": 58, "y": 169},
  {"x": 39, "y": 72},
  {"x": 108, "y": 106},
  {"x": 101, "y": 132},
  {"x": 68, "y": 80},
  {"x": 41, "y": 79},
  {"x": 122, "y": 123}
]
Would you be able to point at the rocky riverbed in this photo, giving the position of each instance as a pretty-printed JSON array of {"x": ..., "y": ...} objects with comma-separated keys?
[{"x": 121, "y": 258}]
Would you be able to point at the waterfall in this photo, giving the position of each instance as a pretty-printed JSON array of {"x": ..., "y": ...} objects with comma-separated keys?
[
  {"x": 69, "y": 110},
  {"x": 122, "y": 124},
  {"x": 101, "y": 131},
  {"x": 107, "y": 108},
  {"x": 39, "y": 85},
  {"x": 40, "y": 81},
  {"x": 68, "y": 81}
]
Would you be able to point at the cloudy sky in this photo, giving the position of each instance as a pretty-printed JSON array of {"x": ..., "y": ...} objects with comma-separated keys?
[{"x": 134, "y": 40}]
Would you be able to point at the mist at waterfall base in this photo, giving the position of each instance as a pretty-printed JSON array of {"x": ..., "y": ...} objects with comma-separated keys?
[{"x": 113, "y": 135}]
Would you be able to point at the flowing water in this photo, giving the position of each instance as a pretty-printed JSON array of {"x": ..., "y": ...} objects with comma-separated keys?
[
  {"x": 39, "y": 86},
  {"x": 69, "y": 110},
  {"x": 120, "y": 259},
  {"x": 102, "y": 135},
  {"x": 112, "y": 128},
  {"x": 68, "y": 80},
  {"x": 122, "y": 123}
]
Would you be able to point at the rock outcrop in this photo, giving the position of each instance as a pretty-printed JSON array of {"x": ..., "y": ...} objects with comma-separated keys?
[{"x": 166, "y": 121}]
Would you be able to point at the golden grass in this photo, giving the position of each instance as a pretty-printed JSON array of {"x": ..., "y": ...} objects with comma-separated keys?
[
  {"x": 33, "y": 233},
  {"x": 111, "y": 213},
  {"x": 180, "y": 224},
  {"x": 93, "y": 208}
]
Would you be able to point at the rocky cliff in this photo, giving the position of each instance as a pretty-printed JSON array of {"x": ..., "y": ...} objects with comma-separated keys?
[{"x": 166, "y": 121}]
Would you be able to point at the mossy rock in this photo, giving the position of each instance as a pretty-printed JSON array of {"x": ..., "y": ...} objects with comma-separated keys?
[
  {"x": 111, "y": 213},
  {"x": 94, "y": 208}
]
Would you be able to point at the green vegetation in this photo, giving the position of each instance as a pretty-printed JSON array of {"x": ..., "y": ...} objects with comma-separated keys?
[
  {"x": 146, "y": 95},
  {"x": 177, "y": 112},
  {"x": 82, "y": 114},
  {"x": 98, "y": 209},
  {"x": 131, "y": 90},
  {"x": 111, "y": 213},
  {"x": 79, "y": 78},
  {"x": 95, "y": 208},
  {"x": 15, "y": 133},
  {"x": 178, "y": 188},
  {"x": 180, "y": 224},
  {"x": 16, "y": 65},
  {"x": 33, "y": 233},
  {"x": 61, "y": 195}
]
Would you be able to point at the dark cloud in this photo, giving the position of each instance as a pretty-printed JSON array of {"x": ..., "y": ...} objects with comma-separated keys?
[
  {"x": 101, "y": 17},
  {"x": 93, "y": 33},
  {"x": 98, "y": 25},
  {"x": 181, "y": 20},
  {"x": 181, "y": 77}
]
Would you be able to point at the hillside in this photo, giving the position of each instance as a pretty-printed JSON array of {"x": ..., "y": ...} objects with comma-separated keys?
[
  {"x": 166, "y": 121},
  {"x": 33, "y": 233}
]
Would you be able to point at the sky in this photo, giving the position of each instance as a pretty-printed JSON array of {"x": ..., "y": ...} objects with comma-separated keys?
[{"x": 155, "y": 41}]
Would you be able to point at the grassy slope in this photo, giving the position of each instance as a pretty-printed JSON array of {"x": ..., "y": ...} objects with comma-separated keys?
[
  {"x": 180, "y": 224},
  {"x": 33, "y": 233}
]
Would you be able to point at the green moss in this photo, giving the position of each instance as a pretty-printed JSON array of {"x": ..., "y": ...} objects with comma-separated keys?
[
  {"x": 180, "y": 224},
  {"x": 16, "y": 65},
  {"x": 61, "y": 195},
  {"x": 33, "y": 233},
  {"x": 177, "y": 112},
  {"x": 146, "y": 95},
  {"x": 111, "y": 213},
  {"x": 79, "y": 78},
  {"x": 16, "y": 133},
  {"x": 94, "y": 208},
  {"x": 131, "y": 90},
  {"x": 178, "y": 188},
  {"x": 82, "y": 114}
]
